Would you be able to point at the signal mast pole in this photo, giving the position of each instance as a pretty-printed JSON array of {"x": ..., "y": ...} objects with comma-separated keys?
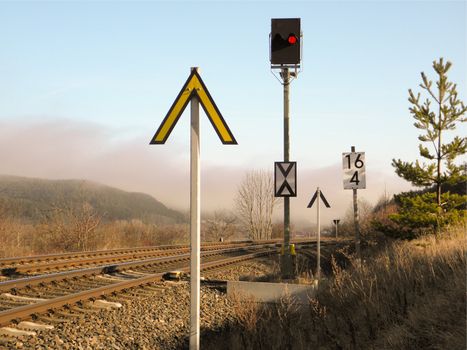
[
  {"x": 285, "y": 53},
  {"x": 287, "y": 268}
]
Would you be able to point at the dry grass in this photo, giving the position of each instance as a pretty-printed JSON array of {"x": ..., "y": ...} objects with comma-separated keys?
[
  {"x": 411, "y": 295},
  {"x": 20, "y": 239}
]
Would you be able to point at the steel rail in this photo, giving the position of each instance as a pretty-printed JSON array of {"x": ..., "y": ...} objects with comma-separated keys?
[
  {"x": 52, "y": 262},
  {"x": 27, "y": 311},
  {"x": 71, "y": 255},
  {"x": 59, "y": 276},
  {"x": 57, "y": 256},
  {"x": 97, "y": 260}
]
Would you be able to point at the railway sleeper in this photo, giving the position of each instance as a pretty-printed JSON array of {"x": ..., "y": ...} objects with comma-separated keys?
[
  {"x": 139, "y": 293},
  {"x": 50, "y": 319},
  {"x": 120, "y": 298},
  {"x": 110, "y": 269},
  {"x": 13, "y": 303},
  {"x": 9, "y": 271},
  {"x": 52, "y": 294},
  {"x": 22, "y": 298},
  {"x": 156, "y": 288},
  {"x": 109, "y": 278},
  {"x": 33, "y": 326},
  {"x": 15, "y": 332},
  {"x": 105, "y": 304},
  {"x": 89, "y": 285},
  {"x": 67, "y": 314},
  {"x": 84, "y": 308}
]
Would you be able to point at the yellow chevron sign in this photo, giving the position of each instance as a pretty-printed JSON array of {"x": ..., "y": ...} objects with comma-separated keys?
[{"x": 194, "y": 86}]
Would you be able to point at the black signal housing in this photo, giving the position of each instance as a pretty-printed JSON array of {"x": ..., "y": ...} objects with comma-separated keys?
[{"x": 285, "y": 42}]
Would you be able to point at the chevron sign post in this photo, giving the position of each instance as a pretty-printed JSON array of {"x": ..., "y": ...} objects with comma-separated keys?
[
  {"x": 316, "y": 197},
  {"x": 195, "y": 92}
]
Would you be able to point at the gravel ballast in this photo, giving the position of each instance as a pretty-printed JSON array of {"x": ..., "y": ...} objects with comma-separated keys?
[{"x": 156, "y": 317}]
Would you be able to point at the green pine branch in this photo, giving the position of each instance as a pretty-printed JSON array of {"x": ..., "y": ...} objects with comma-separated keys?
[
  {"x": 455, "y": 148},
  {"x": 441, "y": 111},
  {"x": 418, "y": 175}
]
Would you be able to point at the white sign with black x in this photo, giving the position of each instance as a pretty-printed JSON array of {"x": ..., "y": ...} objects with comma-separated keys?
[{"x": 285, "y": 179}]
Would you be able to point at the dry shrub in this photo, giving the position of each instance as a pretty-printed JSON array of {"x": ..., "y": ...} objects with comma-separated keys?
[
  {"x": 136, "y": 233},
  {"x": 261, "y": 326},
  {"x": 247, "y": 315},
  {"x": 410, "y": 295},
  {"x": 247, "y": 311},
  {"x": 15, "y": 237},
  {"x": 398, "y": 298},
  {"x": 66, "y": 230}
]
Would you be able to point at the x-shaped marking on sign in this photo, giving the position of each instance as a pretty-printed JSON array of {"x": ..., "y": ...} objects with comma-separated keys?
[{"x": 285, "y": 171}]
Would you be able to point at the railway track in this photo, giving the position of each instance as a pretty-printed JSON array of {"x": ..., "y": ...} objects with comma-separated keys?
[
  {"x": 107, "y": 252},
  {"x": 23, "y": 298},
  {"x": 32, "y": 265},
  {"x": 48, "y": 263},
  {"x": 43, "y": 297}
]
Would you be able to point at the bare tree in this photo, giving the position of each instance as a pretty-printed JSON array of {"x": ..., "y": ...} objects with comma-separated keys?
[
  {"x": 255, "y": 203},
  {"x": 85, "y": 223},
  {"x": 68, "y": 228},
  {"x": 365, "y": 213},
  {"x": 14, "y": 235},
  {"x": 220, "y": 225}
]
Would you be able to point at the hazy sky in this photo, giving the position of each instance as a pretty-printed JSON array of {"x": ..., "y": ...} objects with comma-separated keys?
[{"x": 84, "y": 86}]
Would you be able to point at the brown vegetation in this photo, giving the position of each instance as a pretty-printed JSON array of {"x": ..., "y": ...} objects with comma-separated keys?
[
  {"x": 53, "y": 216},
  {"x": 411, "y": 295},
  {"x": 221, "y": 225},
  {"x": 255, "y": 203},
  {"x": 71, "y": 229}
]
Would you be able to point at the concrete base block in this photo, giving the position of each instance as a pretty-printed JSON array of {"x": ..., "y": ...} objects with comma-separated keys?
[
  {"x": 14, "y": 332},
  {"x": 271, "y": 292},
  {"x": 34, "y": 326}
]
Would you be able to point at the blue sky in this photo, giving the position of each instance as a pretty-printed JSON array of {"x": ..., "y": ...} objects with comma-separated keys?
[{"x": 90, "y": 82}]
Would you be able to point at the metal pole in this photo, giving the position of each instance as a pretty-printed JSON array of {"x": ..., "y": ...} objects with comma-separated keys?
[
  {"x": 318, "y": 260},
  {"x": 355, "y": 217},
  {"x": 287, "y": 259},
  {"x": 194, "y": 225}
]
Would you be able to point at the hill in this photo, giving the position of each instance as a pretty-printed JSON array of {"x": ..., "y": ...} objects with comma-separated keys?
[{"x": 30, "y": 199}]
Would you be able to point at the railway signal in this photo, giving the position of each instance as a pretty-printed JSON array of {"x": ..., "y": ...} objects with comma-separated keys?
[
  {"x": 194, "y": 90},
  {"x": 285, "y": 41},
  {"x": 316, "y": 197},
  {"x": 285, "y": 52}
]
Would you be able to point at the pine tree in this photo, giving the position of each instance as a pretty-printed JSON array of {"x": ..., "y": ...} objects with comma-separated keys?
[{"x": 433, "y": 121}]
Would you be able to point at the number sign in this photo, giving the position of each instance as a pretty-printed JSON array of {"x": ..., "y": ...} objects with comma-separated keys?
[{"x": 353, "y": 164}]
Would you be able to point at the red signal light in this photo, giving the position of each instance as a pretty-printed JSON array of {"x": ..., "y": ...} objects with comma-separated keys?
[{"x": 292, "y": 39}]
